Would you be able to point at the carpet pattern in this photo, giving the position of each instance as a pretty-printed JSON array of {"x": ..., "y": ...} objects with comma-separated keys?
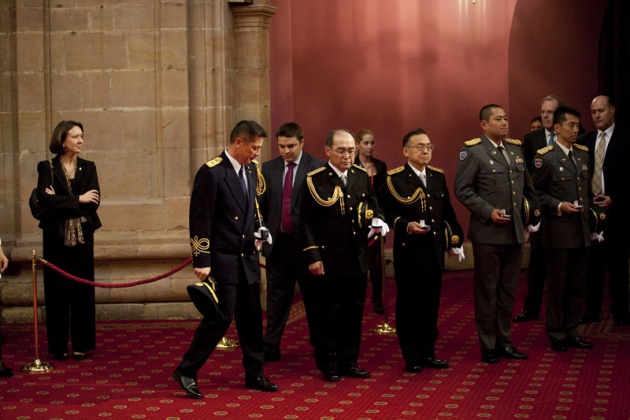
[{"x": 128, "y": 376}]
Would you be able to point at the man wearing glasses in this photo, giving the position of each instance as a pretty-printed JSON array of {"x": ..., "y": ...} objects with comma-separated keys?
[
  {"x": 338, "y": 216},
  {"x": 416, "y": 201}
]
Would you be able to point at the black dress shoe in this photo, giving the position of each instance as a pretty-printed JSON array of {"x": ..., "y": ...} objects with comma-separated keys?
[
  {"x": 354, "y": 372},
  {"x": 489, "y": 356},
  {"x": 331, "y": 376},
  {"x": 61, "y": 357},
  {"x": 78, "y": 355},
  {"x": 559, "y": 345},
  {"x": 622, "y": 319},
  {"x": 432, "y": 362},
  {"x": 413, "y": 367},
  {"x": 578, "y": 342},
  {"x": 188, "y": 384},
  {"x": 261, "y": 383},
  {"x": 378, "y": 307},
  {"x": 588, "y": 318},
  {"x": 272, "y": 357},
  {"x": 510, "y": 352},
  {"x": 525, "y": 315}
]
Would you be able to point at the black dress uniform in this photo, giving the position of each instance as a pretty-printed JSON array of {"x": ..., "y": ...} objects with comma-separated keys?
[
  {"x": 419, "y": 258},
  {"x": 334, "y": 229}
]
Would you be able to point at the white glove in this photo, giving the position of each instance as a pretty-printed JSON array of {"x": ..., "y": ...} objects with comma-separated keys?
[
  {"x": 459, "y": 251},
  {"x": 262, "y": 232},
  {"x": 599, "y": 237},
  {"x": 378, "y": 226},
  {"x": 533, "y": 229}
]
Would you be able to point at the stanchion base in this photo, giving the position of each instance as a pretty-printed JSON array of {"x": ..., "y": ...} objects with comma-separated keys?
[
  {"x": 227, "y": 344},
  {"x": 384, "y": 329},
  {"x": 37, "y": 367}
]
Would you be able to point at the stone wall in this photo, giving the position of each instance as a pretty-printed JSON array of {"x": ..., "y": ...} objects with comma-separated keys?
[{"x": 158, "y": 85}]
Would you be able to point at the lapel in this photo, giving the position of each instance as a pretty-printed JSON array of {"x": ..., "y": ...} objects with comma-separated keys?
[
  {"x": 563, "y": 160},
  {"x": 335, "y": 179},
  {"x": 300, "y": 176},
  {"x": 59, "y": 174},
  {"x": 234, "y": 185},
  {"x": 414, "y": 179},
  {"x": 495, "y": 155}
]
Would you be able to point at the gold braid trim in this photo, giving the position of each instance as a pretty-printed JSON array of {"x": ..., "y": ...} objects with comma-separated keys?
[
  {"x": 515, "y": 142},
  {"x": 261, "y": 184},
  {"x": 337, "y": 195},
  {"x": 545, "y": 150},
  {"x": 199, "y": 246},
  {"x": 580, "y": 147},
  {"x": 472, "y": 142},
  {"x": 417, "y": 195},
  {"x": 433, "y": 168}
]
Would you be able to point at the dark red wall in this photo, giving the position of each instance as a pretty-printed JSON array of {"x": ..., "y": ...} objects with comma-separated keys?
[{"x": 392, "y": 66}]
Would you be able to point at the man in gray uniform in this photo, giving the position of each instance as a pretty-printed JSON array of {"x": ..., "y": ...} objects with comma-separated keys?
[{"x": 491, "y": 181}]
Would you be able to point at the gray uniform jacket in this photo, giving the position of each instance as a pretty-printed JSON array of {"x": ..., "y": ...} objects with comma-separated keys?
[{"x": 485, "y": 181}]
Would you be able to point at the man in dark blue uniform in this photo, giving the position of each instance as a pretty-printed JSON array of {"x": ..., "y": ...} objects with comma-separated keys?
[{"x": 222, "y": 226}]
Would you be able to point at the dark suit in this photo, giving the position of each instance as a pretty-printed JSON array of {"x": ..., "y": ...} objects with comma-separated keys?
[
  {"x": 566, "y": 237},
  {"x": 419, "y": 258},
  {"x": 331, "y": 232},
  {"x": 612, "y": 254},
  {"x": 376, "y": 272},
  {"x": 70, "y": 306},
  {"x": 537, "y": 266},
  {"x": 222, "y": 225},
  {"x": 284, "y": 256},
  {"x": 484, "y": 182}
]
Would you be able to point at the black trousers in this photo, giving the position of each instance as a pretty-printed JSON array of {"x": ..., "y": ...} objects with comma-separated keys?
[
  {"x": 70, "y": 306},
  {"x": 239, "y": 301},
  {"x": 536, "y": 274}
]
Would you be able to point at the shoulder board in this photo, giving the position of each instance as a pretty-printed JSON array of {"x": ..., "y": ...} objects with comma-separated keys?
[
  {"x": 396, "y": 170},
  {"x": 433, "y": 168},
  {"x": 580, "y": 147},
  {"x": 316, "y": 171},
  {"x": 513, "y": 141},
  {"x": 214, "y": 162},
  {"x": 472, "y": 142},
  {"x": 255, "y": 162},
  {"x": 359, "y": 167},
  {"x": 544, "y": 150}
]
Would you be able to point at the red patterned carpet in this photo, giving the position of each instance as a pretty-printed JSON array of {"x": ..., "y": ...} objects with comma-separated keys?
[{"x": 129, "y": 375}]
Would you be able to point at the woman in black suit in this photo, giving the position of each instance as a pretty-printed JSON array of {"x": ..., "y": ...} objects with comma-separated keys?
[
  {"x": 377, "y": 170},
  {"x": 70, "y": 192}
]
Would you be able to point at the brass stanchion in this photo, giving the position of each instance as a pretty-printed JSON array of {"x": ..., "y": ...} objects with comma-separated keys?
[
  {"x": 37, "y": 366},
  {"x": 227, "y": 344},
  {"x": 384, "y": 328}
]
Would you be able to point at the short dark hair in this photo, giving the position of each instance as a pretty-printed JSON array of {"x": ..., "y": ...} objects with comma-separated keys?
[
  {"x": 412, "y": 133},
  {"x": 60, "y": 133},
  {"x": 536, "y": 119},
  {"x": 560, "y": 114},
  {"x": 290, "y": 129},
  {"x": 331, "y": 135},
  {"x": 248, "y": 130},
  {"x": 486, "y": 111}
]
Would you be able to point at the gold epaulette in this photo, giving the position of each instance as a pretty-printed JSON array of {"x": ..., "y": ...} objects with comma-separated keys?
[
  {"x": 396, "y": 170},
  {"x": 472, "y": 142},
  {"x": 214, "y": 162},
  {"x": 513, "y": 141},
  {"x": 316, "y": 171},
  {"x": 580, "y": 147},
  {"x": 255, "y": 162},
  {"x": 544, "y": 150},
  {"x": 359, "y": 167},
  {"x": 433, "y": 168}
]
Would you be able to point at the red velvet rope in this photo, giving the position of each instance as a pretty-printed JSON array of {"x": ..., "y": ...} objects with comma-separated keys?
[{"x": 112, "y": 286}]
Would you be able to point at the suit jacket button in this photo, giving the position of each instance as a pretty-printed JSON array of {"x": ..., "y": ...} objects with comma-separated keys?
[
  {"x": 242, "y": 255},
  {"x": 428, "y": 195},
  {"x": 235, "y": 217}
]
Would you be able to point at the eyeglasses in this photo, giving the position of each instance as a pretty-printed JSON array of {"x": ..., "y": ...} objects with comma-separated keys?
[
  {"x": 342, "y": 152},
  {"x": 422, "y": 147}
]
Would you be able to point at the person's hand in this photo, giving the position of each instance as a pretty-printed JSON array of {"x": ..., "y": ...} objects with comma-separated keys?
[
  {"x": 499, "y": 217},
  {"x": 459, "y": 251},
  {"x": 569, "y": 208},
  {"x": 202, "y": 273},
  {"x": 91, "y": 196},
  {"x": 4, "y": 261},
  {"x": 261, "y": 233},
  {"x": 599, "y": 237},
  {"x": 415, "y": 228},
  {"x": 378, "y": 226},
  {"x": 603, "y": 201},
  {"x": 50, "y": 190},
  {"x": 316, "y": 268}
]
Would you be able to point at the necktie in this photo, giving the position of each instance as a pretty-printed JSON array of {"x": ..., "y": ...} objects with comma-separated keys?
[
  {"x": 287, "y": 193},
  {"x": 552, "y": 136},
  {"x": 344, "y": 179},
  {"x": 423, "y": 178},
  {"x": 571, "y": 158},
  {"x": 241, "y": 177},
  {"x": 600, "y": 154},
  {"x": 504, "y": 153}
]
